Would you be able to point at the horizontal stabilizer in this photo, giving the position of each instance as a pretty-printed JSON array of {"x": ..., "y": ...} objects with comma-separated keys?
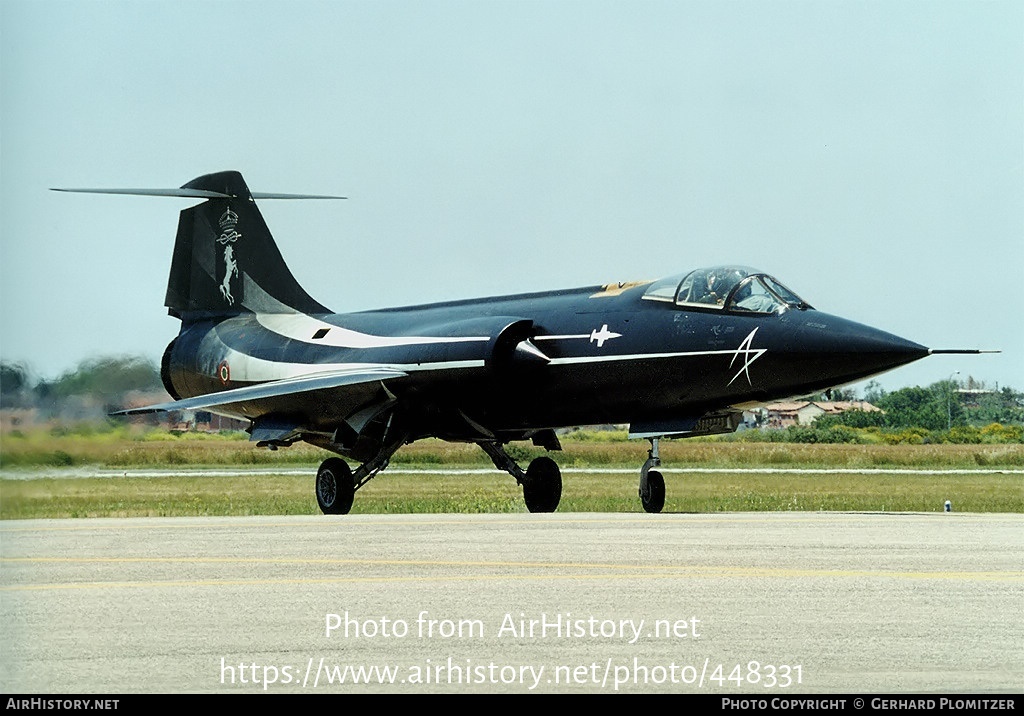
[
  {"x": 264, "y": 195},
  {"x": 198, "y": 193},
  {"x": 274, "y": 389}
]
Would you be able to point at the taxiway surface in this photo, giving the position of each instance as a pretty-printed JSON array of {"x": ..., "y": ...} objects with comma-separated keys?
[{"x": 741, "y": 603}]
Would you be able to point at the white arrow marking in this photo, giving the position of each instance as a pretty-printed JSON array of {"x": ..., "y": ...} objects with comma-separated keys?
[{"x": 749, "y": 356}]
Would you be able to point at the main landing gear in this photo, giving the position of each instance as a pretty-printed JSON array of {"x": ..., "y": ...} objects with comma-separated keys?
[
  {"x": 542, "y": 480},
  {"x": 652, "y": 483},
  {"x": 336, "y": 484},
  {"x": 335, "y": 488}
]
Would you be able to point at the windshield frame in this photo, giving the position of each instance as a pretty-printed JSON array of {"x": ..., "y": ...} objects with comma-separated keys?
[{"x": 716, "y": 288}]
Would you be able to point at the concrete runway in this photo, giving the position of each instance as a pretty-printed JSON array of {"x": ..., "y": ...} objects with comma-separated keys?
[{"x": 768, "y": 604}]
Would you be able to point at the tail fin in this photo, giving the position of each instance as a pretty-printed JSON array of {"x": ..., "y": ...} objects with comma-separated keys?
[{"x": 225, "y": 260}]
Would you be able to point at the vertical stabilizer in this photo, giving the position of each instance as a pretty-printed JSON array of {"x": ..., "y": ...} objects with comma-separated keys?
[{"x": 225, "y": 260}]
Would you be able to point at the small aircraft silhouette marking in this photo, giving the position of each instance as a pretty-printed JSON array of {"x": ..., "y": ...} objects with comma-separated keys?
[{"x": 598, "y": 335}]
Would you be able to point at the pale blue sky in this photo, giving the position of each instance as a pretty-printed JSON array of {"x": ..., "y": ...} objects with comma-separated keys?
[{"x": 869, "y": 154}]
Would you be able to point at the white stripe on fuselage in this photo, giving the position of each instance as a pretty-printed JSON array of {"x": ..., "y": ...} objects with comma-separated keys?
[
  {"x": 300, "y": 327},
  {"x": 637, "y": 356},
  {"x": 248, "y": 369}
]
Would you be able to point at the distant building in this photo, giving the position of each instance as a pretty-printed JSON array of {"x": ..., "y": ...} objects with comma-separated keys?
[
  {"x": 805, "y": 412},
  {"x": 969, "y": 397},
  {"x": 204, "y": 421},
  {"x": 18, "y": 419}
]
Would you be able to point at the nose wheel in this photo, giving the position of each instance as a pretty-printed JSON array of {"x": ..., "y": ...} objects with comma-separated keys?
[
  {"x": 653, "y": 497},
  {"x": 652, "y": 482}
]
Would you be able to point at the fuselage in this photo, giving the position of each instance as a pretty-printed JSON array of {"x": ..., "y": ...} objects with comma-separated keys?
[{"x": 599, "y": 354}]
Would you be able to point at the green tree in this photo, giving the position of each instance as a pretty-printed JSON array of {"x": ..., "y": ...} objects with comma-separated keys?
[
  {"x": 873, "y": 392},
  {"x": 853, "y": 419},
  {"x": 934, "y": 408},
  {"x": 1004, "y": 406},
  {"x": 15, "y": 391},
  {"x": 106, "y": 377}
]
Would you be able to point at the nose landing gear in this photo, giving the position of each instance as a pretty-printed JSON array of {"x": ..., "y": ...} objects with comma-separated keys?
[{"x": 652, "y": 483}]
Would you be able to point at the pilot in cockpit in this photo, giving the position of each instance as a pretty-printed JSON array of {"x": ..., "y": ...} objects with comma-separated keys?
[
  {"x": 706, "y": 287},
  {"x": 717, "y": 285}
]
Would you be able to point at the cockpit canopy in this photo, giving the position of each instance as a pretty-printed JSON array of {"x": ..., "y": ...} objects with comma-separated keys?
[{"x": 726, "y": 288}]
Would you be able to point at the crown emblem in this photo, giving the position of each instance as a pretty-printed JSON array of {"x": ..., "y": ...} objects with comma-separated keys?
[{"x": 229, "y": 220}]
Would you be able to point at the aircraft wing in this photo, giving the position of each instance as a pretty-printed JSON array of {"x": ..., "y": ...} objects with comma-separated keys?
[{"x": 240, "y": 401}]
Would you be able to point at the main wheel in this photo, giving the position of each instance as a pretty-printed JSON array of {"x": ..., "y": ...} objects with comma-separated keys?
[
  {"x": 654, "y": 499},
  {"x": 335, "y": 489},
  {"x": 542, "y": 489}
]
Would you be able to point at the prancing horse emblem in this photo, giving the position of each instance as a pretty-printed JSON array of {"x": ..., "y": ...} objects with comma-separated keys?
[{"x": 228, "y": 236}]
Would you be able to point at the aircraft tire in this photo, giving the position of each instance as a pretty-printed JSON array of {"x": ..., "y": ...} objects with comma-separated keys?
[
  {"x": 654, "y": 500},
  {"x": 542, "y": 489},
  {"x": 335, "y": 489}
]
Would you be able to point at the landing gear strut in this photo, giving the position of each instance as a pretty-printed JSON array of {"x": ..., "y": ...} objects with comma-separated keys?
[
  {"x": 652, "y": 483},
  {"x": 542, "y": 480},
  {"x": 336, "y": 484}
]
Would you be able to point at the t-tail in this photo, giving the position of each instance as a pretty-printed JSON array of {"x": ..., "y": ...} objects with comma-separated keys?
[{"x": 225, "y": 260}]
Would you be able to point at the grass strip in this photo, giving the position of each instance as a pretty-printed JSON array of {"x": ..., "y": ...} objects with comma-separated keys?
[{"x": 269, "y": 494}]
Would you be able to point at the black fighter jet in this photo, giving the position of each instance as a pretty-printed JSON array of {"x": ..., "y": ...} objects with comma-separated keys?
[{"x": 673, "y": 358}]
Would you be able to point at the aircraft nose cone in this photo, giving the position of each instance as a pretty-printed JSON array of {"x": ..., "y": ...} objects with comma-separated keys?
[{"x": 839, "y": 351}]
